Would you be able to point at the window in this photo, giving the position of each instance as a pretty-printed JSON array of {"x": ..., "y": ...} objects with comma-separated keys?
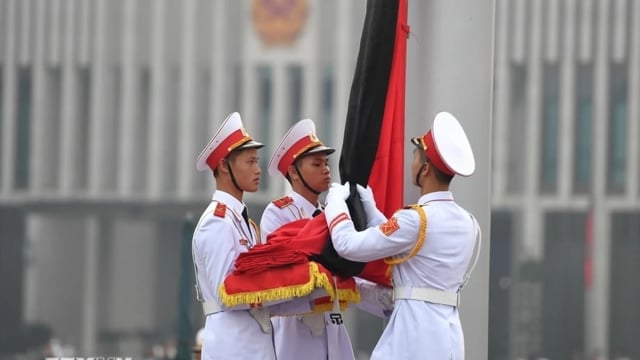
[
  {"x": 51, "y": 124},
  {"x": 202, "y": 114},
  {"x": 108, "y": 154},
  {"x": 1, "y": 117},
  {"x": 83, "y": 115},
  {"x": 503, "y": 240},
  {"x": 23, "y": 128},
  {"x": 237, "y": 86},
  {"x": 583, "y": 135},
  {"x": 326, "y": 101},
  {"x": 624, "y": 289},
  {"x": 562, "y": 271},
  {"x": 142, "y": 130},
  {"x": 618, "y": 110},
  {"x": 265, "y": 116},
  {"x": 550, "y": 115},
  {"x": 296, "y": 93},
  {"x": 517, "y": 129},
  {"x": 170, "y": 158}
]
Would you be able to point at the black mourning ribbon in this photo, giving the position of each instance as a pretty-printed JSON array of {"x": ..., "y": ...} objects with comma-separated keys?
[{"x": 329, "y": 258}]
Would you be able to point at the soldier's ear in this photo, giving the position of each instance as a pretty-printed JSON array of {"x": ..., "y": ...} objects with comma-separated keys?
[
  {"x": 291, "y": 170},
  {"x": 223, "y": 166},
  {"x": 426, "y": 168}
]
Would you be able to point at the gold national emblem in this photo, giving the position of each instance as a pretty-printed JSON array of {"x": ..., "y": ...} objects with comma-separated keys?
[
  {"x": 313, "y": 138},
  {"x": 279, "y": 22}
]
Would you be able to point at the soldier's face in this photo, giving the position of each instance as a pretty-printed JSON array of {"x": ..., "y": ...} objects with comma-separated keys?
[
  {"x": 246, "y": 170},
  {"x": 315, "y": 170}
]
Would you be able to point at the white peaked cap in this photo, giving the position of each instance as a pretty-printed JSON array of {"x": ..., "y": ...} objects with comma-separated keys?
[
  {"x": 299, "y": 141},
  {"x": 230, "y": 136},
  {"x": 447, "y": 146}
]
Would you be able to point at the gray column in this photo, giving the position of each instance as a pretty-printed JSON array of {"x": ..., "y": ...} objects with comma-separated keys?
[
  {"x": 130, "y": 303},
  {"x": 130, "y": 131},
  {"x": 187, "y": 128},
  {"x": 90, "y": 286},
  {"x": 567, "y": 102},
  {"x": 249, "y": 108},
  {"x": 455, "y": 47},
  {"x": 55, "y": 273},
  {"x": 342, "y": 74},
  {"x": 311, "y": 75},
  {"x": 634, "y": 106},
  {"x": 531, "y": 207},
  {"x": 40, "y": 163},
  {"x": 100, "y": 125},
  {"x": 55, "y": 32},
  {"x": 12, "y": 233},
  {"x": 68, "y": 156},
  {"x": 597, "y": 297},
  {"x": 8, "y": 138},
  {"x": 502, "y": 103},
  {"x": 157, "y": 119},
  {"x": 221, "y": 80}
]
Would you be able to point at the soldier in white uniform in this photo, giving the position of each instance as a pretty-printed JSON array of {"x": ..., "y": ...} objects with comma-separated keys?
[
  {"x": 223, "y": 232},
  {"x": 432, "y": 244},
  {"x": 304, "y": 161}
]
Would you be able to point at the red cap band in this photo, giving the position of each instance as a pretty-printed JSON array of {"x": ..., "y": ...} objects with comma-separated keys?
[
  {"x": 229, "y": 144},
  {"x": 434, "y": 157},
  {"x": 296, "y": 150}
]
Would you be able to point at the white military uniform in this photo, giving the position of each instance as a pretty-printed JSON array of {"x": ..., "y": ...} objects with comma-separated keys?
[
  {"x": 419, "y": 329},
  {"x": 312, "y": 336},
  {"x": 221, "y": 235},
  {"x": 217, "y": 242},
  {"x": 431, "y": 245},
  {"x": 303, "y": 337}
]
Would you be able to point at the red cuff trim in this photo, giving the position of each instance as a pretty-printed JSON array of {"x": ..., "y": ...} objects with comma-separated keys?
[{"x": 338, "y": 219}]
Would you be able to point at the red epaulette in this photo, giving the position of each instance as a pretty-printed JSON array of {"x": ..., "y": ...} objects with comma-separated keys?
[
  {"x": 221, "y": 210},
  {"x": 283, "y": 202}
]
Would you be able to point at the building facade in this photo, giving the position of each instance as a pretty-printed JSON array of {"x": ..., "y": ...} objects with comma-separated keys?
[
  {"x": 565, "y": 186},
  {"x": 105, "y": 105}
]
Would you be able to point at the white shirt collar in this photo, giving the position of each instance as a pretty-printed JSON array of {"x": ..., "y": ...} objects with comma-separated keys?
[
  {"x": 305, "y": 206},
  {"x": 230, "y": 201},
  {"x": 437, "y": 195}
]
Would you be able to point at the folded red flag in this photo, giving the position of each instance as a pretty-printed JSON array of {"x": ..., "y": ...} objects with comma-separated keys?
[{"x": 280, "y": 269}]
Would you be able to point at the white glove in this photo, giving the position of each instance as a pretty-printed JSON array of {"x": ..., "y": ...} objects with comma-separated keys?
[
  {"x": 375, "y": 299},
  {"x": 262, "y": 316},
  {"x": 385, "y": 297},
  {"x": 337, "y": 190},
  {"x": 374, "y": 216},
  {"x": 315, "y": 323},
  {"x": 336, "y": 205}
]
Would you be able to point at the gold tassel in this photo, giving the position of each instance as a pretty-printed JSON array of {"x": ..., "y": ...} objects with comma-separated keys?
[
  {"x": 317, "y": 279},
  {"x": 421, "y": 236}
]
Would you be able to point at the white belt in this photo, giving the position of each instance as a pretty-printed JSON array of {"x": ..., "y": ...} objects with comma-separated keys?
[
  {"x": 210, "y": 307},
  {"x": 427, "y": 294},
  {"x": 261, "y": 315}
]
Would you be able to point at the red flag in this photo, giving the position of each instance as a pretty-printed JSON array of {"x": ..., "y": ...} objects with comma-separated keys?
[
  {"x": 372, "y": 150},
  {"x": 386, "y": 177}
]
